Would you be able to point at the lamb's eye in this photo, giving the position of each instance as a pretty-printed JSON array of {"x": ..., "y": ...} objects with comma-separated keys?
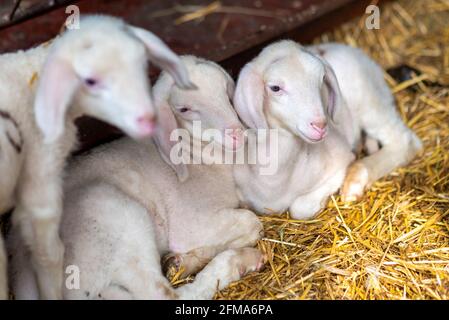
[
  {"x": 275, "y": 88},
  {"x": 90, "y": 82},
  {"x": 184, "y": 110}
]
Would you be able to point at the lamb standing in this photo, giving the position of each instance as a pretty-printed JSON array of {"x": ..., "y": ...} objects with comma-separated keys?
[
  {"x": 320, "y": 98},
  {"x": 98, "y": 70},
  {"x": 127, "y": 205}
]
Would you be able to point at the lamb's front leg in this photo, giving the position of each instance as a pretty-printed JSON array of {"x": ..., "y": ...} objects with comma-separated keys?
[
  {"x": 227, "y": 267},
  {"x": 38, "y": 215},
  {"x": 309, "y": 205},
  {"x": 3, "y": 272},
  {"x": 217, "y": 232}
]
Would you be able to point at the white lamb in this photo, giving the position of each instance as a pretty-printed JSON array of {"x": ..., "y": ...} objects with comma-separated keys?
[
  {"x": 320, "y": 98},
  {"x": 99, "y": 70},
  {"x": 127, "y": 205}
]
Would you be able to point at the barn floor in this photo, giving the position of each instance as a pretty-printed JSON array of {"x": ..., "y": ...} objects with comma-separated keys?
[{"x": 395, "y": 243}]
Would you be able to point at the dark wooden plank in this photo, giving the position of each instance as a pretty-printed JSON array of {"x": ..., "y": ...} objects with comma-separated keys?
[{"x": 13, "y": 11}]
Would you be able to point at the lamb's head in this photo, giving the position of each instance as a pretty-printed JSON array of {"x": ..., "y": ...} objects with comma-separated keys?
[
  {"x": 103, "y": 68},
  {"x": 290, "y": 88},
  {"x": 209, "y": 106}
]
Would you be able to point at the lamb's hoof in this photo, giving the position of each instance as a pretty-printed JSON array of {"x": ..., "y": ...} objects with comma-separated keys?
[
  {"x": 355, "y": 183},
  {"x": 250, "y": 260}
]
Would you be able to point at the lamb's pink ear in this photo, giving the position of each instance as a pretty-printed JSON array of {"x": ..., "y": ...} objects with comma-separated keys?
[
  {"x": 166, "y": 125},
  {"x": 249, "y": 98},
  {"x": 334, "y": 92},
  {"x": 57, "y": 86},
  {"x": 164, "y": 57}
]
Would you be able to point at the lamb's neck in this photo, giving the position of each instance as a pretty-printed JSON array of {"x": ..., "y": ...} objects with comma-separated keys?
[{"x": 291, "y": 149}]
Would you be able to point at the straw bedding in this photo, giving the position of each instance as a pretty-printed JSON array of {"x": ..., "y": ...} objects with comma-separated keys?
[{"x": 394, "y": 244}]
